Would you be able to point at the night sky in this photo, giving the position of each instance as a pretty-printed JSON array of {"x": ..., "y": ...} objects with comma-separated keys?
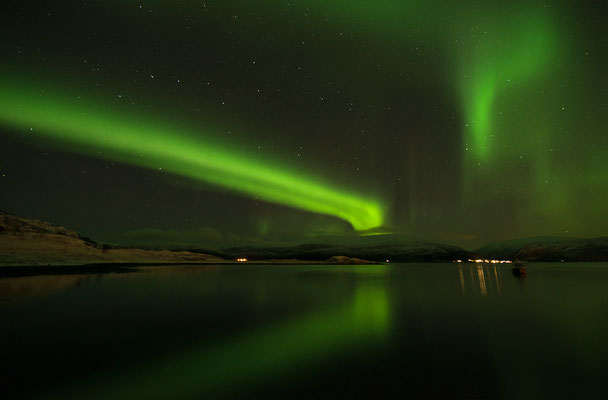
[{"x": 461, "y": 122}]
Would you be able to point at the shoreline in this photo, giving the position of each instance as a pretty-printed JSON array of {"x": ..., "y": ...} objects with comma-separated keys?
[
  {"x": 12, "y": 271},
  {"x": 127, "y": 267}
]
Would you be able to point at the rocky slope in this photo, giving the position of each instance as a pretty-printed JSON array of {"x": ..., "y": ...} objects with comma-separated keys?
[{"x": 31, "y": 242}]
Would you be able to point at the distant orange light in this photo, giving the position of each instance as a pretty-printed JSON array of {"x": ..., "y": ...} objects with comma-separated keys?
[
  {"x": 241, "y": 259},
  {"x": 481, "y": 260}
]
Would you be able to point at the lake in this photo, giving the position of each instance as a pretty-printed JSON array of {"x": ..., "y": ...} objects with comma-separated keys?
[{"x": 308, "y": 331}]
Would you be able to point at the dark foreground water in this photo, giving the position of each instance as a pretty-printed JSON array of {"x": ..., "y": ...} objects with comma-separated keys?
[{"x": 340, "y": 332}]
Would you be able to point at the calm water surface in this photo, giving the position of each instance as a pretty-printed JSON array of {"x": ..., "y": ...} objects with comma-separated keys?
[{"x": 347, "y": 332}]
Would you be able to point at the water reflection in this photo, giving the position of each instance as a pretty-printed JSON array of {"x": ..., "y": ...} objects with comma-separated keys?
[
  {"x": 253, "y": 358},
  {"x": 480, "y": 278},
  {"x": 398, "y": 331},
  {"x": 28, "y": 287}
]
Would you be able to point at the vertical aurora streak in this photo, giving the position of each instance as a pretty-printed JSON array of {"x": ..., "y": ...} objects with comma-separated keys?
[
  {"x": 441, "y": 116},
  {"x": 496, "y": 60}
]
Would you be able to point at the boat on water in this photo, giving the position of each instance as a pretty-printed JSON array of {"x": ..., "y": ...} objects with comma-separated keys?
[{"x": 519, "y": 270}]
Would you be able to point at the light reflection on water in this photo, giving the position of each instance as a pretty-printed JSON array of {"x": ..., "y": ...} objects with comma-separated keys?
[
  {"x": 22, "y": 288},
  {"x": 484, "y": 279},
  {"x": 398, "y": 330}
]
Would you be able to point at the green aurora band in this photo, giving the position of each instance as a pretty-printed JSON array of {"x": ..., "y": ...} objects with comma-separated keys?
[
  {"x": 513, "y": 76},
  {"x": 498, "y": 58},
  {"x": 515, "y": 70},
  {"x": 70, "y": 122},
  {"x": 493, "y": 50}
]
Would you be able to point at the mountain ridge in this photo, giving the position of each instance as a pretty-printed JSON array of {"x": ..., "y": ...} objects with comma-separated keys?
[{"x": 548, "y": 248}]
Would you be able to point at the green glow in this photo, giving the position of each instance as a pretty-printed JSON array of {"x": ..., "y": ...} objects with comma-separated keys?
[
  {"x": 490, "y": 68},
  {"x": 211, "y": 369},
  {"x": 494, "y": 50},
  {"x": 129, "y": 139},
  {"x": 520, "y": 80},
  {"x": 497, "y": 55}
]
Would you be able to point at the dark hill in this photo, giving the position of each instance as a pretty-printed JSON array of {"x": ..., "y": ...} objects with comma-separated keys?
[
  {"x": 391, "y": 247},
  {"x": 548, "y": 249}
]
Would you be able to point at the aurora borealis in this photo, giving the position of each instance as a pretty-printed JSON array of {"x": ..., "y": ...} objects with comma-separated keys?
[
  {"x": 459, "y": 122},
  {"x": 154, "y": 147}
]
